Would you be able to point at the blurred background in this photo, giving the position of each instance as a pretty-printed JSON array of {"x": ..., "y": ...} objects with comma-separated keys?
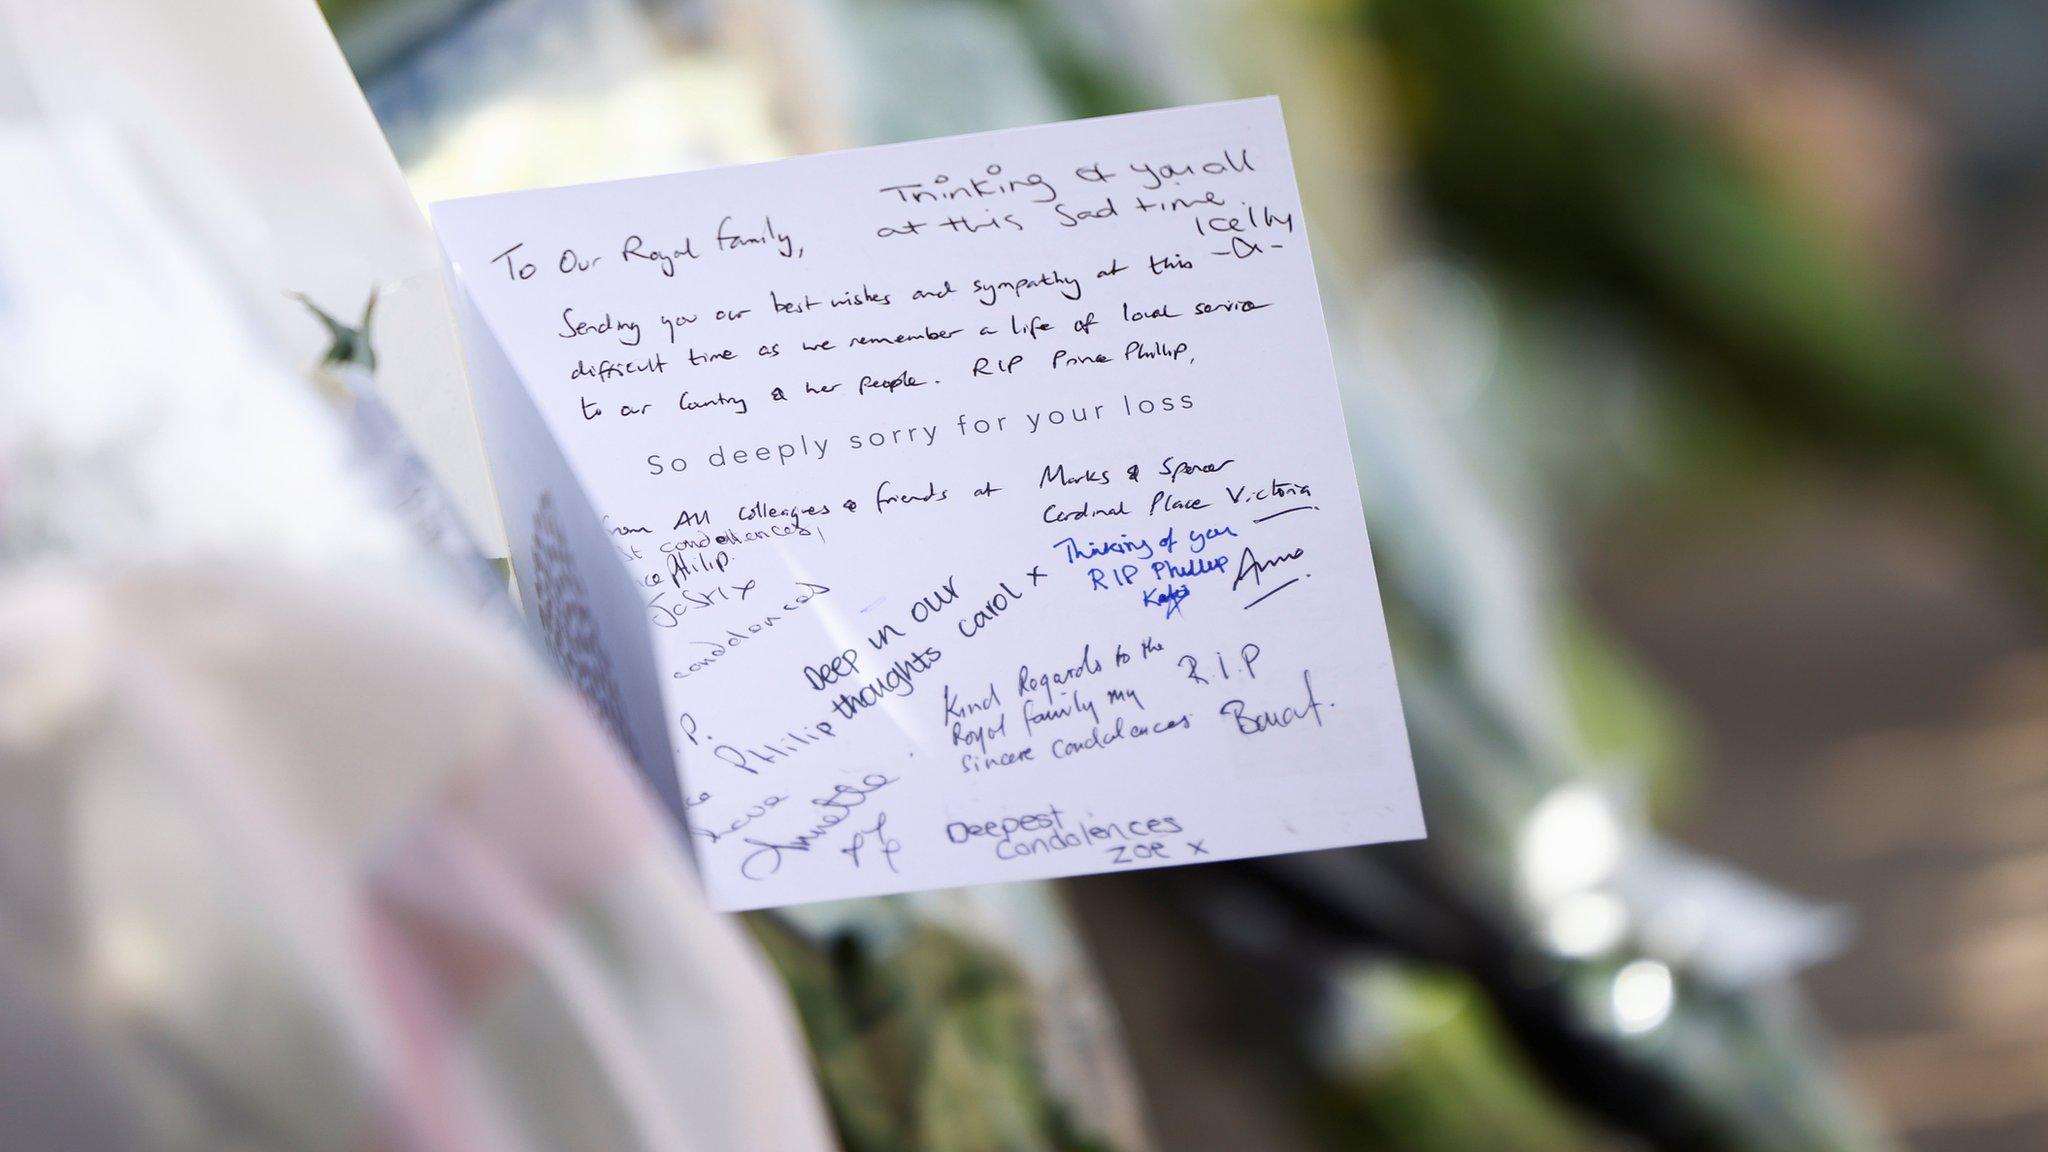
[{"x": 1696, "y": 359}]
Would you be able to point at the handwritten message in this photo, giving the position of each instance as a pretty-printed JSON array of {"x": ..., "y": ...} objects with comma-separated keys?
[{"x": 989, "y": 497}]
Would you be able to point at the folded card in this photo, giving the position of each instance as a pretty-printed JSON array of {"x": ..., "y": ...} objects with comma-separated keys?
[{"x": 987, "y": 500}]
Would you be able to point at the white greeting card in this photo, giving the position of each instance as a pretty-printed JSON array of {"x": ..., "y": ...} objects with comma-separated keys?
[{"x": 987, "y": 499}]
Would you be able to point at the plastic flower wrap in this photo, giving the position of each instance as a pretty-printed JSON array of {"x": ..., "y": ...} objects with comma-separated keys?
[{"x": 298, "y": 849}]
